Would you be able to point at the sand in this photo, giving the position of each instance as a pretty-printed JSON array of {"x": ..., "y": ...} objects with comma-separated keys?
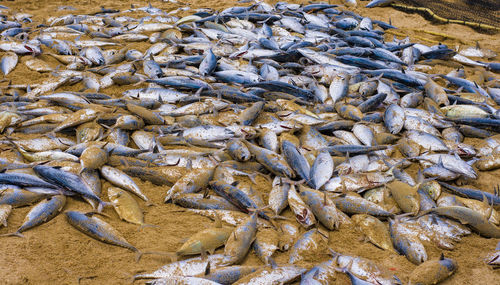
[{"x": 56, "y": 253}]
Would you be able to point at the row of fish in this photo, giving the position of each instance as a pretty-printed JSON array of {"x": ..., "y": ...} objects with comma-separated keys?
[{"x": 279, "y": 121}]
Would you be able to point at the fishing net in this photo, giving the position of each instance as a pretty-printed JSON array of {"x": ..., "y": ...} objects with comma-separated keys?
[{"x": 477, "y": 11}]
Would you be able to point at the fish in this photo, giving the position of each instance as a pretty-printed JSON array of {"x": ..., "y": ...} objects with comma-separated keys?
[
  {"x": 303, "y": 213},
  {"x": 433, "y": 271},
  {"x": 207, "y": 240},
  {"x": 69, "y": 181},
  {"x": 364, "y": 269},
  {"x": 374, "y": 230},
  {"x": 240, "y": 240},
  {"x": 309, "y": 242},
  {"x": 99, "y": 229},
  {"x": 230, "y": 274},
  {"x": 321, "y": 170},
  {"x": 406, "y": 242},
  {"x": 41, "y": 213},
  {"x": 322, "y": 207},
  {"x": 118, "y": 178},
  {"x": 191, "y": 182},
  {"x": 470, "y": 217},
  {"x": 5, "y": 211},
  {"x": 239, "y": 114},
  {"x": 492, "y": 258},
  {"x": 279, "y": 274},
  {"x": 125, "y": 206}
]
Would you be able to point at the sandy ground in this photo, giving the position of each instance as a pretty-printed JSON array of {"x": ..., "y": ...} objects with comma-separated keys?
[{"x": 56, "y": 253}]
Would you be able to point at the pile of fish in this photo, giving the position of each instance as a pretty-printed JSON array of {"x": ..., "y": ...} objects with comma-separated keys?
[{"x": 315, "y": 99}]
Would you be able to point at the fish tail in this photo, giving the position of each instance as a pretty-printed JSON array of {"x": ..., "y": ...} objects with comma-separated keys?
[
  {"x": 142, "y": 276},
  {"x": 17, "y": 234},
  {"x": 138, "y": 255},
  {"x": 82, "y": 169},
  {"x": 103, "y": 204},
  {"x": 146, "y": 225}
]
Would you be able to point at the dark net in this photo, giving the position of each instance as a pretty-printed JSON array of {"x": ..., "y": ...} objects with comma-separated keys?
[{"x": 479, "y": 11}]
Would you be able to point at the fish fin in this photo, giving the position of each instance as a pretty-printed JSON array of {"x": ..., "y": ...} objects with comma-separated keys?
[
  {"x": 420, "y": 177},
  {"x": 332, "y": 252},
  {"x": 490, "y": 210},
  {"x": 203, "y": 254},
  {"x": 207, "y": 269},
  {"x": 397, "y": 217},
  {"x": 82, "y": 169},
  {"x": 363, "y": 238},
  {"x": 90, "y": 214},
  {"x": 252, "y": 177},
  {"x": 218, "y": 221},
  {"x": 272, "y": 262},
  {"x": 324, "y": 234},
  {"x": 434, "y": 220}
]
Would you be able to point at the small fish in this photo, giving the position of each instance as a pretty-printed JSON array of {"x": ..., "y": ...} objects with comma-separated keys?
[
  {"x": 17, "y": 197},
  {"x": 303, "y": 214},
  {"x": 470, "y": 217},
  {"x": 8, "y": 62},
  {"x": 188, "y": 267},
  {"x": 278, "y": 197},
  {"x": 311, "y": 242},
  {"x": 4, "y": 213},
  {"x": 322, "y": 206},
  {"x": 93, "y": 157},
  {"x": 230, "y": 274},
  {"x": 322, "y": 170},
  {"x": 433, "y": 271},
  {"x": 122, "y": 180},
  {"x": 191, "y": 182},
  {"x": 182, "y": 280},
  {"x": 374, "y": 230},
  {"x": 365, "y": 269},
  {"x": 493, "y": 259},
  {"x": 41, "y": 213},
  {"x": 69, "y": 181},
  {"x": 277, "y": 275},
  {"x": 125, "y": 206},
  {"x": 207, "y": 240},
  {"x": 271, "y": 160},
  {"x": 99, "y": 229},
  {"x": 407, "y": 242},
  {"x": 265, "y": 244},
  {"x": 406, "y": 196},
  {"x": 240, "y": 240}
]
